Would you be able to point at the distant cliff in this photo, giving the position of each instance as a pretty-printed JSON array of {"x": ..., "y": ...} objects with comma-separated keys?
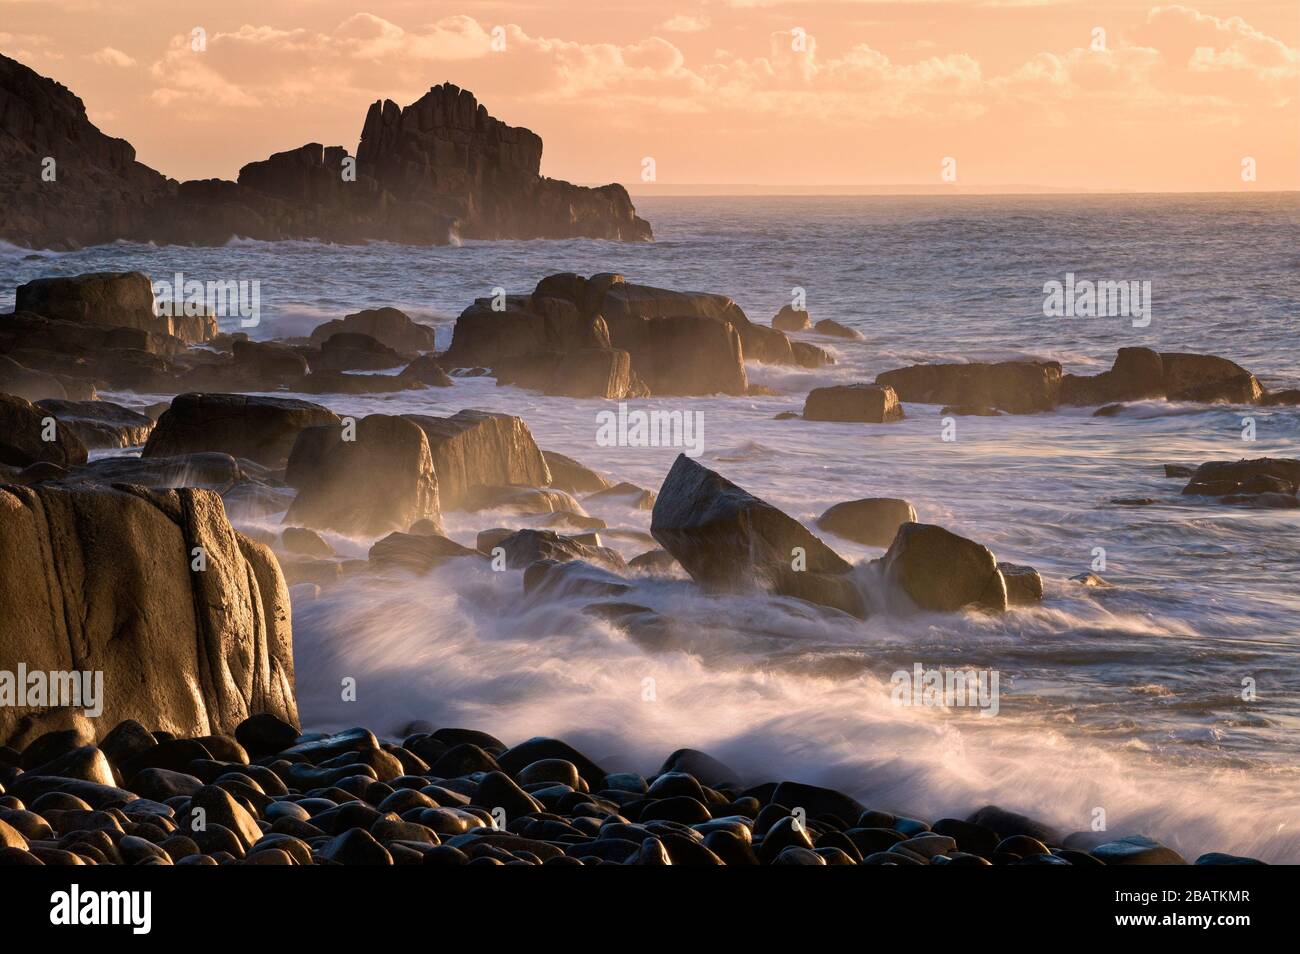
[{"x": 438, "y": 170}]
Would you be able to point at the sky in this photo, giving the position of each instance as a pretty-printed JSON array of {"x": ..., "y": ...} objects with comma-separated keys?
[{"x": 980, "y": 94}]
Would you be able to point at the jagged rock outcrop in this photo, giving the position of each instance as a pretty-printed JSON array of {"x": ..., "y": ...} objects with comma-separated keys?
[
  {"x": 102, "y": 579},
  {"x": 99, "y": 191},
  {"x": 439, "y": 169}
]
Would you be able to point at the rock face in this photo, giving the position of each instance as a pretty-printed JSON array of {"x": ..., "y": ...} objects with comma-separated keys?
[
  {"x": 479, "y": 448},
  {"x": 438, "y": 169},
  {"x": 386, "y": 325},
  {"x": 943, "y": 572},
  {"x": 864, "y": 403},
  {"x": 23, "y": 428},
  {"x": 1020, "y": 387},
  {"x": 873, "y": 521},
  {"x": 728, "y": 539},
  {"x": 381, "y": 481},
  {"x": 262, "y": 429},
  {"x": 99, "y": 193},
  {"x": 110, "y": 300},
  {"x": 101, "y": 579}
]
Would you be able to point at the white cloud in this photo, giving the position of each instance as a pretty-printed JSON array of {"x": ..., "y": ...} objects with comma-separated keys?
[
  {"x": 111, "y": 56},
  {"x": 684, "y": 23}
]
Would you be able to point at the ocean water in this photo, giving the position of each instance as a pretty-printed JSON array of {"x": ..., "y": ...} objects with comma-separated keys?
[{"x": 1128, "y": 699}]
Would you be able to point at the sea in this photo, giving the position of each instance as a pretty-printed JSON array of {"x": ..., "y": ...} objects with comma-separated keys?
[{"x": 1167, "y": 703}]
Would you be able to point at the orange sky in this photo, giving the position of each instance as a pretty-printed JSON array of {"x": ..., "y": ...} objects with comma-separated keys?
[{"x": 791, "y": 92}]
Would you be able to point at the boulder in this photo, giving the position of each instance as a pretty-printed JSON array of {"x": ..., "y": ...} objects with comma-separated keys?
[
  {"x": 522, "y": 500},
  {"x": 417, "y": 553},
  {"x": 267, "y": 365},
  {"x": 873, "y": 521},
  {"x": 386, "y": 325},
  {"x": 262, "y": 429},
  {"x": 1205, "y": 377},
  {"x": 1137, "y": 374},
  {"x": 587, "y": 372},
  {"x": 1219, "y": 478},
  {"x": 942, "y": 572},
  {"x": 354, "y": 351},
  {"x": 28, "y": 384},
  {"x": 101, "y": 424},
  {"x": 111, "y": 300},
  {"x": 103, "y": 579},
  {"x": 480, "y": 448},
  {"x": 790, "y": 318},
  {"x": 383, "y": 480},
  {"x": 836, "y": 330},
  {"x": 427, "y": 370},
  {"x": 209, "y": 469},
  {"x": 23, "y": 429},
  {"x": 728, "y": 539},
  {"x": 525, "y": 547},
  {"x": 865, "y": 403},
  {"x": 486, "y": 334},
  {"x": 567, "y": 474},
  {"x": 1024, "y": 585},
  {"x": 1019, "y": 387}
]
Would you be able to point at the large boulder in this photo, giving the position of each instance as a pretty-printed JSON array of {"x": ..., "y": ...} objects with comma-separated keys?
[
  {"x": 262, "y": 429},
  {"x": 589, "y": 372},
  {"x": 266, "y": 365},
  {"x": 728, "y": 539},
  {"x": 480, "y": 448},
  {"x": 23, "y": 429},
  {"x": 1137, "y": 373},
  {"x": 380, "y": 480},
  {"x": 1019, "y": 387},
  {"x": 104, "y": 580},
  {"x": 101, "y": 424},
  {"x": 1220, "y": 478},
  {"x": 353, "y": 351},
  {"x": 526, "y": 325},
  {"x": 1205, "y": 377},
  {"x": 110, "y": 300},
  {"x": 943, "y": 572},
  {"x": 387, "y": 325},
  {"x": 573, "y": 476},
  {"x": 865, "y": 403},
  {"x": 29, "y": 384},
  {"x": 873, "y": 521},
  {"x": 523, "y": 548}
]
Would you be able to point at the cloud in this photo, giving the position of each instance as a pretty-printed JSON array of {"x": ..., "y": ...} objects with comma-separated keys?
[
  {"x": 684, "y": 23},
  {"x": 111, "y": 56}
]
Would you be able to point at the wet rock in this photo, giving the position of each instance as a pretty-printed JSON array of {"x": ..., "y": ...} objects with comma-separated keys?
[
  {"x": 657, "y": 562},
  {"x": 1219, "y": 858},
  {"x": 262, "y": 429},
  {"x": 569, "y": 475},
  {"x": 389, "y": 326},
  {"x": 873, "y": 521},
  {"x": 727, "y": 538},
  {"x": 101, "y": 424},
  {"x": 630, "y": 495},
  {"x": 1136, "y": 850},
  {"x": 428, "y": 371},
  {"x": 353, "y": 351},
  {"x": 522, "y": 500},
  {"x": 585, "y": 373},
  {"x": 338, "y": 479},
  {"x": 970, "y": 410},
  {"x": 1090, "y": 580},
  {"x": 834, "y": 329},
  {"x": 1018, "y": 387},
  {"x": 1006, "y": 824},
  {"x": 862, "y": 403},
  {"x": 417, "y": 554},
  {"x": 111, "y": 300},
  {"x": 1204, "y": 377},
  {"x": 356, "y": 846},
  {"x": 790, "y": 318},
  {"x": 304, "y": 541},
  {"x": 1024, "y": 585},
  {"x": 943, "y": 572},
  {"x": 265, "y": 734},
  {"x": 479, "y": 448},
  {"x": 525, "y": 547},
  {"x": 126, "y": 741},
  {"x": 553, "y": 579},
  {"x": 23, "y": 427},
  {"x": 1221, "y": 478},
  {"x": 267, "y": 365}
]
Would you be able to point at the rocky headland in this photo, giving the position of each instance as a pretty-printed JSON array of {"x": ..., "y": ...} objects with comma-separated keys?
[{"x": 437, "y": 170}]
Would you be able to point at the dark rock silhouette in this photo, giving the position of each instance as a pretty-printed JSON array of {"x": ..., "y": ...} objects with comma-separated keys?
[{"x": 438, "y": 170}]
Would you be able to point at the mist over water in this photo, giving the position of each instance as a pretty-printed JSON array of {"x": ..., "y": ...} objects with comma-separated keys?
[{"x": 1127, "y": 699}]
